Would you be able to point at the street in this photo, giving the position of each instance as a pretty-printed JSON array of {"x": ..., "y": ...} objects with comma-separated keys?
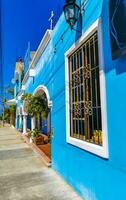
[{"x": 23, "y": 176}]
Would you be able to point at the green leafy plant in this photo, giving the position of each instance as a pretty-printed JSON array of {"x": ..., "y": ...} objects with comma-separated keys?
[
  {"x": 12, "y": 109},
  {"x": 97, "y": 137},
  {"x": 9, "y": 114},
  {"x": 34, "y": 133},
  {"x": 35, "y": 105}
]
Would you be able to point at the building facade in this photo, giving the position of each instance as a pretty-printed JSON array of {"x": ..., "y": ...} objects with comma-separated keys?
[{"x": 84, "y": 85}]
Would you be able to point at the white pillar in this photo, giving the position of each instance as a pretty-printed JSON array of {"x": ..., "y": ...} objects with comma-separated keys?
[
  {"x": 20, "y": 122},
  {"x": 16, "y": 124},
  {"x": 24, "y": 124},
  {"x": 33, "y": 123}
]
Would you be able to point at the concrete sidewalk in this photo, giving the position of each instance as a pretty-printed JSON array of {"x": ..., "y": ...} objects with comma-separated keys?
[{"x": 23, "y": 176}]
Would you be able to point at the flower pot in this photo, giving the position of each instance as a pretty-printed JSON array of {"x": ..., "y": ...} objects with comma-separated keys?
[{"x": 31, "y": 140}]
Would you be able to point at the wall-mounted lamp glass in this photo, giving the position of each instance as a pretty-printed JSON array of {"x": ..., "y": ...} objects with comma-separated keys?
[{"x": 71, "y": 12}]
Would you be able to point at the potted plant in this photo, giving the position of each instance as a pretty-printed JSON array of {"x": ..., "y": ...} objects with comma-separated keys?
[
  {"x": 97, "y": 137},
  {"x": 33, "y": 135}
]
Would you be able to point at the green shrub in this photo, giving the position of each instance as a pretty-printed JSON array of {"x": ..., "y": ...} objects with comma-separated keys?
[{"x": 34, "y": 133}]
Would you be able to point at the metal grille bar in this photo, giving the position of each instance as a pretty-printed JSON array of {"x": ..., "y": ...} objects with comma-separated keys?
[{"x": 85, "y": 105}]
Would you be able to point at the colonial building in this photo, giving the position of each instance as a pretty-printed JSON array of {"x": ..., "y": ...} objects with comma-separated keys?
[{"x": 81, "y": 72}]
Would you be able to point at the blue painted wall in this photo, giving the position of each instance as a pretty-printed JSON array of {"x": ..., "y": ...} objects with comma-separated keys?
[{"x": 92, "y": 177}]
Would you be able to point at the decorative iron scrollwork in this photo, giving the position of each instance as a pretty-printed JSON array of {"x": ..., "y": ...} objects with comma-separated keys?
[
  {"x": 87, "y": 72},
  {"x": 76, "y": 78},
  {"x": 88, "y": 107},
  {"x": 77, "y": 111}
]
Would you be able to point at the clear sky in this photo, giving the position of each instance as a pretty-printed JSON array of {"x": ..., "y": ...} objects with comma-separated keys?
[{"x": 23, "y": 21}]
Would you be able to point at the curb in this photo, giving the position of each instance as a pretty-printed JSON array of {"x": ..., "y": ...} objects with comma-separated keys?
[{"x": 41, "y": 154}]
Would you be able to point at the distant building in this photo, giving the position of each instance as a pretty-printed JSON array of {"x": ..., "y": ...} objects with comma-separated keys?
[{"x": 86, "y": 95}]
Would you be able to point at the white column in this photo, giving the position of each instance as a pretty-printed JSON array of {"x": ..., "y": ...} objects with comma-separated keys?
[
  {"x": 16, "y": 124},
  {"x": 20, "y": 121},
  {"x": 24, "y": 124},
  {"x": 33, "y": 123}
]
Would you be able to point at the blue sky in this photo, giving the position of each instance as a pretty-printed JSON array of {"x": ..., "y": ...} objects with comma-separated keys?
[{"x": 23, "y": 21}]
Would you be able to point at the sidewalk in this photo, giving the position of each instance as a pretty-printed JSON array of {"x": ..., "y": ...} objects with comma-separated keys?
[{"x": 23, "y": 176}]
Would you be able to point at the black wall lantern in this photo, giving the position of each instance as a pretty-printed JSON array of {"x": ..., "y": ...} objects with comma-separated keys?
[{"x": 71, "y": 12}]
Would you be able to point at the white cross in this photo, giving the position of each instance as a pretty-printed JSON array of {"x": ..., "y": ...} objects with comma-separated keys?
[{"x": 51, "y": 19}]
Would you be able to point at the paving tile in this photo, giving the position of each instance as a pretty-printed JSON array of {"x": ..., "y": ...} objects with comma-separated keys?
[{"x": 23, "y": 176}]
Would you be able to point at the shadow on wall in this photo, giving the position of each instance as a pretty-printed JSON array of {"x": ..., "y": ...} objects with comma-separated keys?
[
  {"x": 78, "y": 28},
  {"x": 118, "y": 63},
  {"x": 121, "y": 65}
]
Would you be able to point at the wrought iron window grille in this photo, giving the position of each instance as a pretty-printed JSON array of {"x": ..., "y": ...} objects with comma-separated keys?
[{"x": 85, "y": 104}]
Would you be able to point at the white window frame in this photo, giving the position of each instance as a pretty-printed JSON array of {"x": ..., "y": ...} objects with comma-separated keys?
[{"x": 101, "y": 151}]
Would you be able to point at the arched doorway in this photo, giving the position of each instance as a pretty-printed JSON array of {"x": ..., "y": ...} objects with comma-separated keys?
[{"x": 43, "y": 121}]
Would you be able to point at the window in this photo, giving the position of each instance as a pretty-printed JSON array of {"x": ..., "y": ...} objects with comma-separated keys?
[
  {"x": 85, "y": 106},
  {"x": 86, "y": 125}
]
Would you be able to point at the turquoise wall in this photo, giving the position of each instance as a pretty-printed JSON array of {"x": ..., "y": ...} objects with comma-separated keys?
[{"x": 92, "y": 177}]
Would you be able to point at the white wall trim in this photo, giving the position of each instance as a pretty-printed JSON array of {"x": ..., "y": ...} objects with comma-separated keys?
[
  {"x": 23, "y": 108},
  {"x": 31, "y": 73},
  {"x": 101, "y": 151},
  {"x": 83, "y": 38},
  {"x": 44, "y": 42},
  {"x": 43, "y": 88},
  {"x": 42, "y": 46},
  {"x": 23, "y": 87}
]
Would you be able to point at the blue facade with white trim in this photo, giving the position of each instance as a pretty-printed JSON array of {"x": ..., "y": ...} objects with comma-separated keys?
[{"x": 93, "y": 177}]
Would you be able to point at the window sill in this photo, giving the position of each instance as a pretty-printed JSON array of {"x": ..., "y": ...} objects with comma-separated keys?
[{"x": 92, "y": 148}]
